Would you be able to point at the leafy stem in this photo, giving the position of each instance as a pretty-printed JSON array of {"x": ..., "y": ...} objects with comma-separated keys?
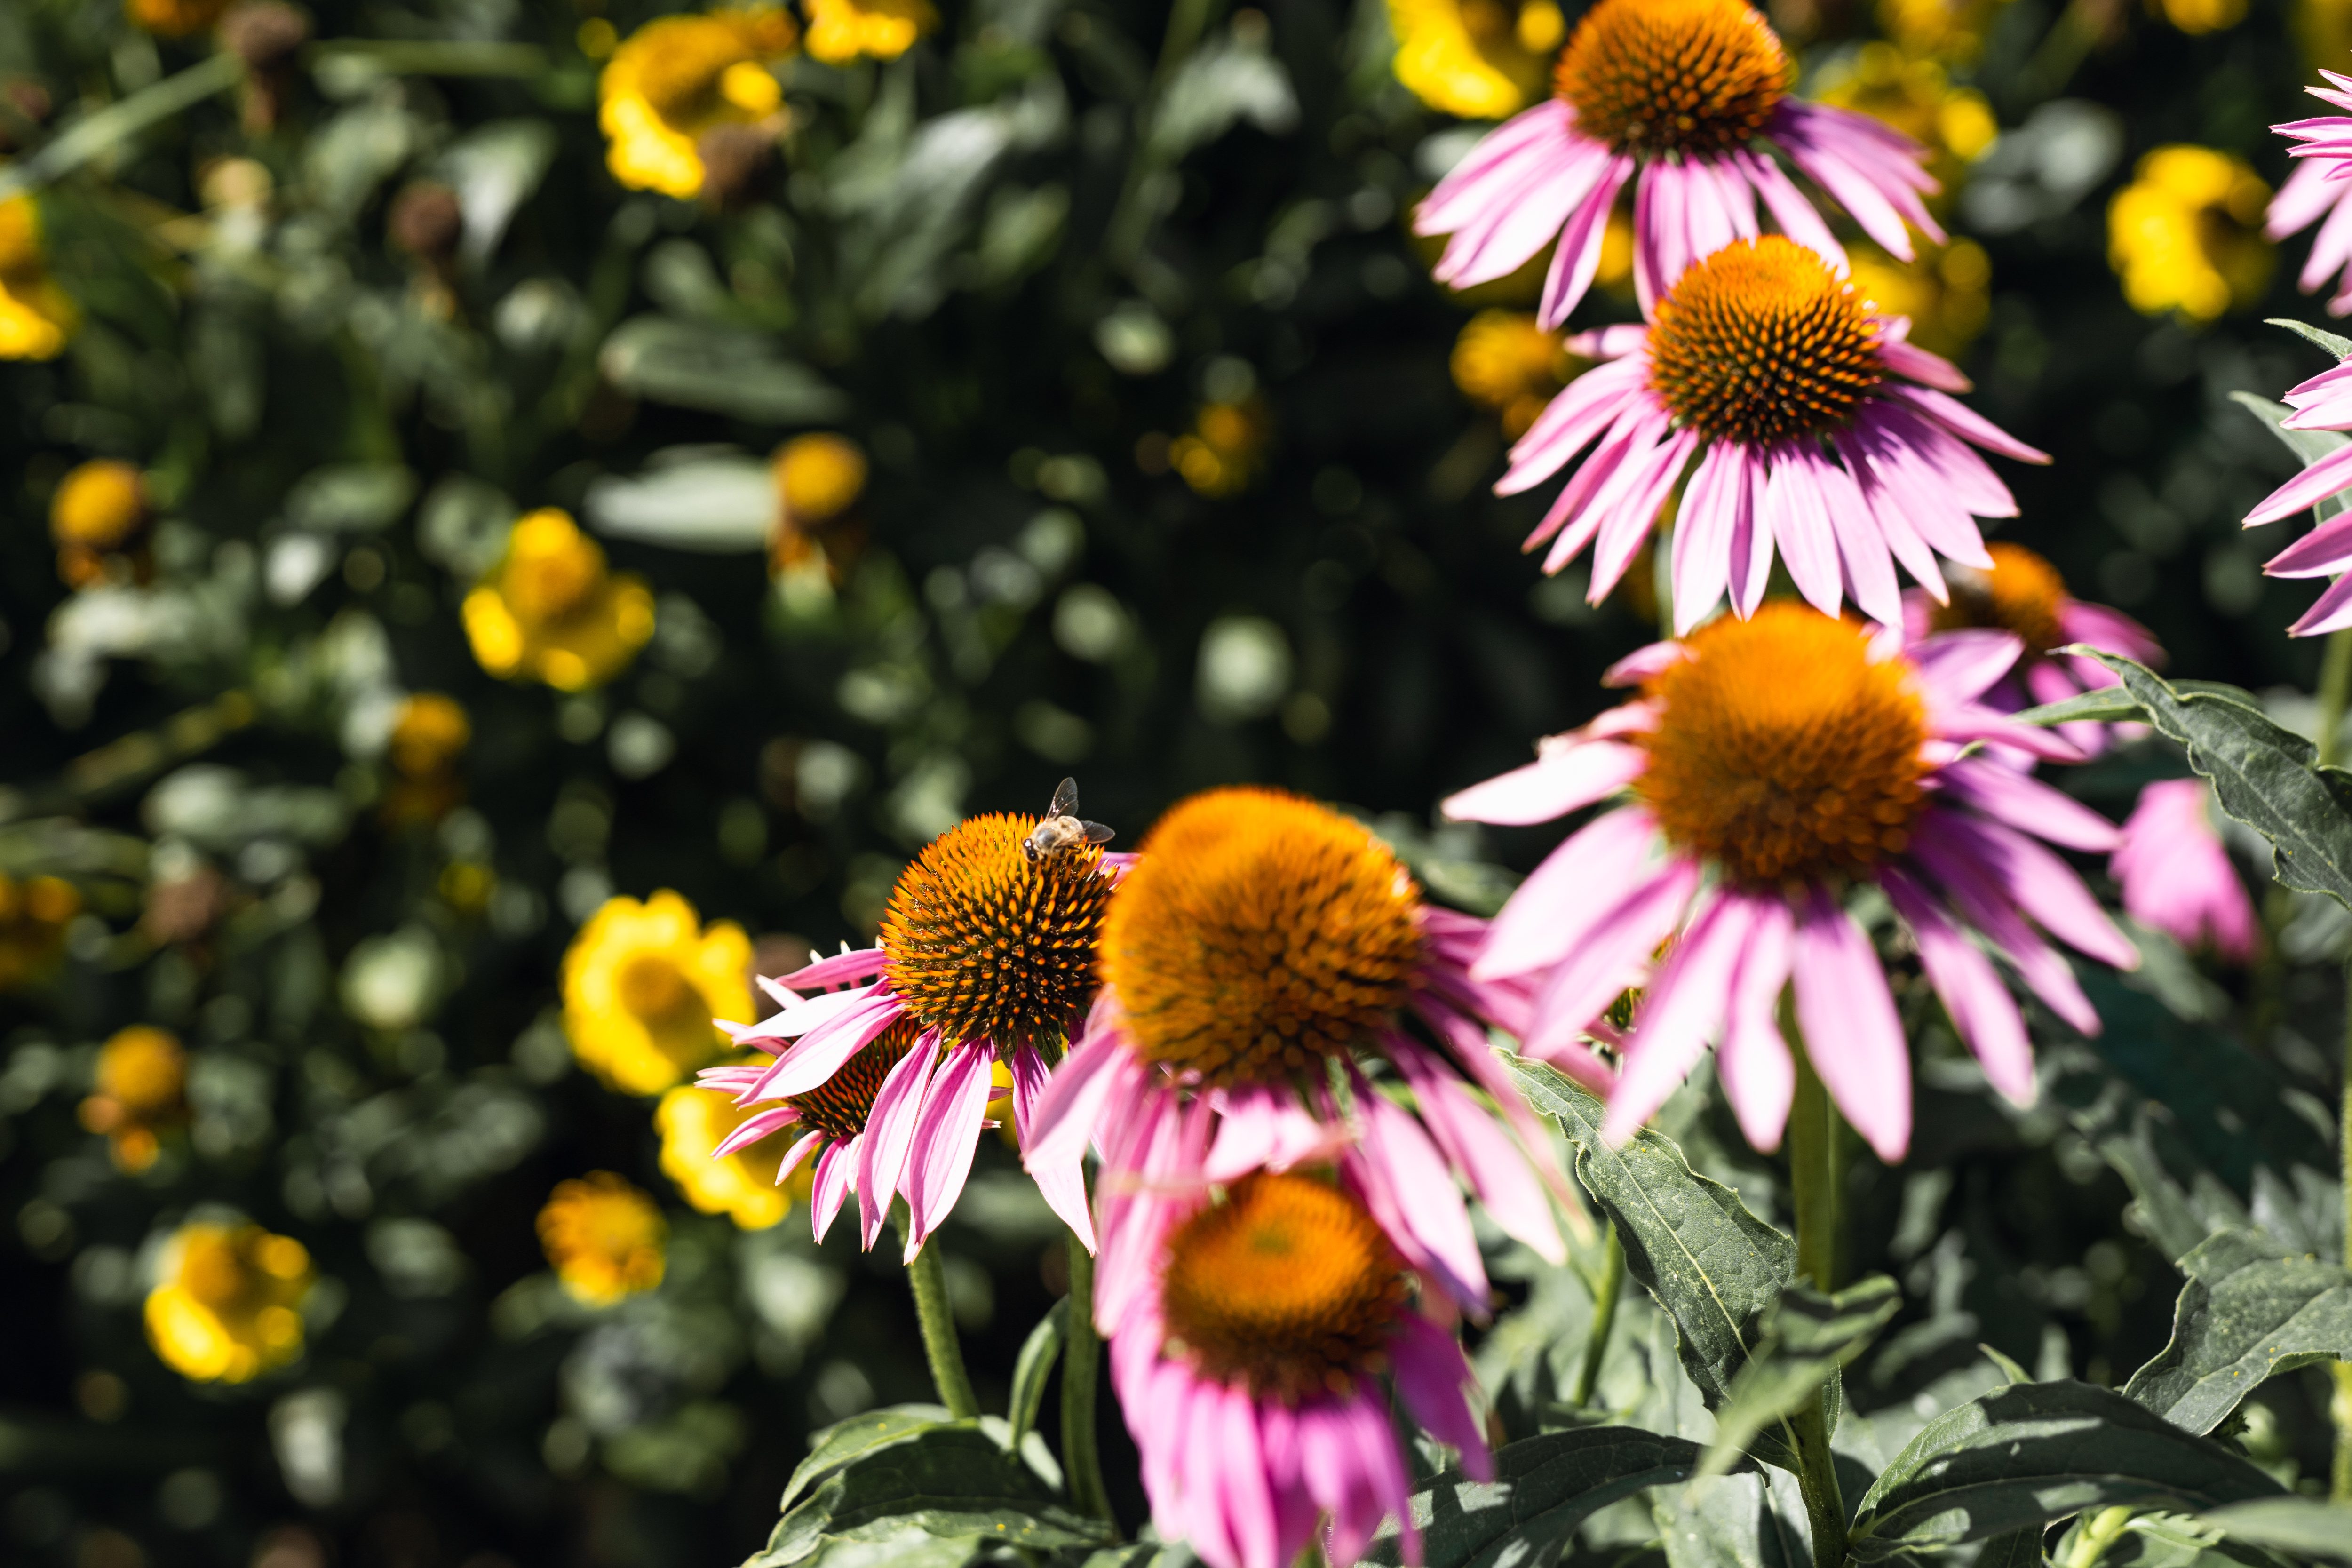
[
  {"x": 1812, "y": 1181},
  {"x": 2099, "y": 1533},
  {"x": 2335, "y": 690},
  {"x": 1081, "y": 1365},
  {"x": 929, "y": 1283},
  {"x": 1610, "y": 1285}
]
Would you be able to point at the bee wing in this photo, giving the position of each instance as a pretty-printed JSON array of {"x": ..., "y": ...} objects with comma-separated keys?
[
  {"x": 1097, "y": 833},
  {"x": 1066, "y": 799}
]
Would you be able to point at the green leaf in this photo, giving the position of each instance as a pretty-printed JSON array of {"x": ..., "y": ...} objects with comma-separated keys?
[
  {"x": 2016, "y": 1548},
  {"x": 1808, "y": 1336},
  {"x": 2261, "y": 774},
  {"x": 2009, "y": 1365},
  {"x": 118, "y": 123},
  {"x": 896, "y": 1472},
  {"x": 1143, "y": 1554},
  {"x": 1733, "y": 1522},
  {"x": 2340, "y": 347},
  {"x": 1695, "y": 1247},
  {"x": 2250, "y": 1310},
  {"x": 1035, "y": 1363},
  {"x": 2021, "y": 1456},
  {"x": 722, "y": 369},
  {"x": 2303, "y": 1526},
  {"x": 2106, "y": 704},
  {"x": 2308, "y": 446},
  {"x": 1544, "y": 1487},
  {"x": 2181, "y": 1541}
]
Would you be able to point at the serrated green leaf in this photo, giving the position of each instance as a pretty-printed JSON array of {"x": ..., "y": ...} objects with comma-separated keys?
[
  {"x": 2262, "y": 775},
  {"x": 834, "y": 1446},
  {"x": 1808, "y": 1336},
  {"x": 1035, "y": 1363},
  {"x": 1544, "y": 1487},
  {"x": 2250, "y": 1310},
  {"x": 2340, "y": 347},
  {"x": 2308, "y": 446},
  {"x": 1711, "y": 1264},
  {"x": 913, "y": 1548},
  {"x": 2303, "y": 1526},
  {"x": 2181, "y": 1541},
  {"x": 2021, "y": 1456},
  {"x": 941, "y": 1478},
  {"x": 1733, "y": 1522}
]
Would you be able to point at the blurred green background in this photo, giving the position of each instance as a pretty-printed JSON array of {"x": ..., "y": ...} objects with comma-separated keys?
[{"x": 1030, "y": 388}]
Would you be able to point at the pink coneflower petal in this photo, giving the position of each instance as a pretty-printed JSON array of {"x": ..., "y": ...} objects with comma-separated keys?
[
  {"x": 1981, "y": 1008},
  {"x": 753, "y": 1128},
  {"x": 1860, "y": 543},
  {"x": 1498, "y": 1173},
  {"x": 2331, "y": 613},
  {"x": 1929, "y": 369},
  {"x": 889, "y": 1133},
  {"x": 1987, "y": 907},
  {"x": 945, "y": 1138},
  {"x": 1062, "y": 1183},
  {"x": 1852, "y": 1032},
  {"x": 2307, "y": 489},
  {"x": 1794, "y": 509},
  {"x": 1556, "y": 908},
  {"x": 1241, "y": 1467},
  {"x": 1554, "y": 784},
  {"x": 822, "y": 1052},
  {"x": 1073, "y": 1102},
  {"x": 1759, "y": 1077},
  {"x": 1577, "y": 260},
  {"x": 2325, "y": 552},
  {"x": 2176, "y": 873},
  {"x": 1434, "y": 1381},
  {"x": 1613, "y": 954},
  {"x": 2046, "y": 888},
  {"x": 1405, "y": 1183},
  {"x": 2110, "y": 629},
  {"x": 842, "y": 968},
  {"x": 1681, "y": 1008},
  {"x": 2025, "y": 802},
  {"x": 1263, "y": 1126},
  {"x": 831, "y": 1185},
  {"x": 1957, "y": 668},
  {"x": 800, "y": 1152}
]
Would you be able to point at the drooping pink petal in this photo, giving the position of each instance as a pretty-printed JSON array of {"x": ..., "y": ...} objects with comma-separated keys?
[
  {"x": 945, "y": 1139},
  {"x": 1613, "y": 954},
  {"x": 1479, "y": 1147},
  {"x": 1405, "y": 1185},
  {"x": 2025, "y": 802},
  {"x": 1436, "y": 1382},
  {"x": 822, "y": 1051},
  {"x": 830, "y": 1186},
  {"x": 1568, "y": 894},
  {"x": 890, "y": 1134},
  {"x": 1561, "y": 780},
  {"x": 1062, "y": 1183},
  {"x": 2323, "y": 553},
  {"x": 2331, "y": 612},
  {"x": 753, "y": 1128},
  {"x": 1980, "y": 1007},
  {"x": 1801, "y": 526},
  {"x": 1852, "y": 1032},
  {"x": 1681, "y": 1009},
  {"x": 1961, "y": 667},
  {"x": 2175, "y": 872},
  {"x": 1758, "y": 1076},
  {"x": 2307, "y": 489}
]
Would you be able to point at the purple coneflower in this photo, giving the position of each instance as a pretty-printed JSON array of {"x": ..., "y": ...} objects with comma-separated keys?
[
  {"x": 1250, "y": 1367},
  {"x": 1770, "y": 763},
  {"x": 2323, "y": 403},
  {"x": 2175, "y": 872},
  {"x": 1773, "y": 372},
  {"x": 985, "y": 954},
  {"x": 1693, "y": 95},
  {"x": 2317, "y": 190},
  {"x": 1261, "y": 954}
]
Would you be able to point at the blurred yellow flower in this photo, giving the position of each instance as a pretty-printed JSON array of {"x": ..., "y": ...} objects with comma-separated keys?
[
  {"x": 429, "y": 731},
  {"x": 2185, "y": 236},
  {"x": 141, "y": 1090},
  {"x": 1950, "y": 30},
  {"x": 742, "y": 1187},
  {"x": 677, "y": 77},
  {"x": 1505, "y": 361},
  {"x": 641, "y": 984},
  {"x": 1946, "y": 292},
  {"x": 1222, "y": 453},
  {"x": 1916, "y": 97},
  {"x": 605, "y": 1238},
  {"x": 2323, "y": 29},
  {"x": 34, "y": 914},
  {"x": 226, "y": 1306},
  {"x": 550, "y": 611},
  {"x": 818, "y": 478},
  {"x": 174, "y": 18},
  {"x": 841, "y": 30},
  {"x": 35, "y": 317},
  {"x": 2197, "y": 16},
  {"x": 99, "y": 513},
  {"x": 1482, "y": 59}
]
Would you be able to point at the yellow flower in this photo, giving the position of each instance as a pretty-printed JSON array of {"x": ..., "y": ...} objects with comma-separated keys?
[
  {"x": 2185, "y": 236},
  {"x": 1952, "y": 30},
  {"x": 33, "y": 915},
  {"x": 1916, "y": 97},
  {"x": 1482, "y": 59},
  {"x": 693, "y": 1122},
  {"x": 142, "y": 1089},
  {"x": 550, "y": 611},
  {"x": 2199, "y": 16},
  {"x": 679, "y": 77},
  {"x": 605, "y": 1238},
  {"x": 641, "y": 984},
  {"x": 818, "y": 478},
  {"x": 427, "y": 733},
  {"x": 1505, "y": 361},
  {"x": 1946, "y": 292},
  {"x": 1221, "y": 454},
  {"x": 841, "y": 30},
  {"x": 2323, "y": 29},
  {"x": 226, "y": 1306},
  {"x": 35, "y": 317},
  {"x": 174, "y": 18},
  {"x": 99, "y": 508}
]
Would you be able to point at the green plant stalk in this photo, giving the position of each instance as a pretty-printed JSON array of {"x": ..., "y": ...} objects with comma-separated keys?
[
  {"x": 1812, "y": 1181},
  {"x": 1130, "y": 220},
  {"x": 941, "y": 1348},
  {"x": 2099, "y": 1533},
  {"x": 1604, "y": 1317},
  {"x": 118, "y": 123},
  {"x": 2334, "y": 691},
  {"x": 1081, "y": 1365}
]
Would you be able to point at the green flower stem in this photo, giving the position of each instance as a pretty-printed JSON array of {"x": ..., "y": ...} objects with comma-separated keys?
[
  {"x": 1814, "y": 1197},
  {"x": 1081, "y": 1365},
  {"x": 1604, "y": 1317},
  {"x": 2099, "y": 1533},
  {"x": 2334, "y": 691},
  {"x": 930, "y": 1282}
]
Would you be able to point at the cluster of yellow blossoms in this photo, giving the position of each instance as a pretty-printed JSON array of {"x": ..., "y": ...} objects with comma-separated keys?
[
  {"x": 606, "y": 1240},
  {"x": 34, "y": 914},
  {"x": 226, "y": 1306},
  {"x": 2186, "y": 235},
  {"x": 140, "y": 1092},
  {"x": 35, "y": 317},
  {"x": 552, "y": 611},
  {"x": 818, "y": 478},
  {"x": 99, "y": 520}
]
